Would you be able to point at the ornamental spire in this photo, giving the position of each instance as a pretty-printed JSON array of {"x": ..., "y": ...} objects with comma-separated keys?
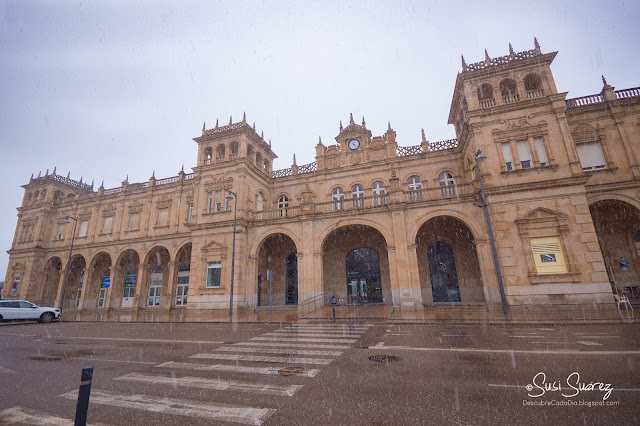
[
  {"x": 351, "y": 118},
  {"x": 102, "y": 185},
  {"x": 364, "y": 124},
  {"x": 424, "y": 138},
  {"x": 536, "y": 45},
  {"x": 294, "y": 159},
  {"x": 389, "y": 126},
  {"x": 203, "y": 127},
  {"x": 254, "y": 126},
  {"x": 244, "y": 117},
  {"x": 262, "y": 135},
  {"x": 341, "y": 125},
  {"x": 54, "y": 167},
  {"x": 511, "y": 52},
  {"x": 216, "y": 123},
  {"x": 68, "y": 175},
  {"x": 230, "y": 120},
  {"x": 464, "y": 64},
  {"x": 486, "y": 56}
]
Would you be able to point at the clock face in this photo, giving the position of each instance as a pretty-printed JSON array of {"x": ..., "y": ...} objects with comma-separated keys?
[{"x": 354, "y": 143}]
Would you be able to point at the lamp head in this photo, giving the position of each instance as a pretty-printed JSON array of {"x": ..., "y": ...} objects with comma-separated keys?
[
  {"x": 66, "y": 220},
  {"x": 480, "y": 157},
  {"x": 478, "y": 205},
  {"x": 229, "y": 196}
]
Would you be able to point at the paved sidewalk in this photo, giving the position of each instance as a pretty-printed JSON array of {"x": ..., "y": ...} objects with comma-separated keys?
[{"x": 369, "y": 314}]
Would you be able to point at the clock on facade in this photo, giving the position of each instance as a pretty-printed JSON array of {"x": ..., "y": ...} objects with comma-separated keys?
[{"x": 354, "y": 143}]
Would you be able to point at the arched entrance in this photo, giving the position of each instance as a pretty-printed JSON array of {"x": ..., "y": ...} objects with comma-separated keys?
[
  {"x": 75, "y": 282},
  {"x": 157, "y": 271},
  {"x": 355, "y": 264},
  {"x": 52, "y": 271},
  {"x": 364, "y": 284},
  {"x": 98, "y": 272},
  {"x": 617, "y": 226},
  {"x": 124, "y": 280},
  {"x": 448, "y": 262},
  {"x": 278, "y": 253}
]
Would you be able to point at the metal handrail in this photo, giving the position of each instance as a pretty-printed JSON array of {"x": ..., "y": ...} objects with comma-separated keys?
[{"x": 313, "y": 301}]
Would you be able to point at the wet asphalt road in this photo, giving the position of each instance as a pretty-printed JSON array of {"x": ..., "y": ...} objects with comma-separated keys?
[{"x": 147, "y": 374}]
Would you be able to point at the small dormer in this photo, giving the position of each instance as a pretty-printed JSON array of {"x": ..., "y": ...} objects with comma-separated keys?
[
  {"x": 496, "y": 82},
  {"x": 224, "y": 145}
]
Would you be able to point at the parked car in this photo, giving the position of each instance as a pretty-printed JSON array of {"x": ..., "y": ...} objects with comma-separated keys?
[{"x": 23, "y": 310}]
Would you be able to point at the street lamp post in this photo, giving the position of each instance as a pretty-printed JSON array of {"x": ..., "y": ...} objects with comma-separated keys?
[
  {"x": 233, "y": 249},
  {"x": 505, "y": 306},
  {"x": 66, "y": 270}
]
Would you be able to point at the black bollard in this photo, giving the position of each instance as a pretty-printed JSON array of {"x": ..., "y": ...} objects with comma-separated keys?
[
  {"x": 83, "y": 396},
  {"x": 333, "y": 305}
]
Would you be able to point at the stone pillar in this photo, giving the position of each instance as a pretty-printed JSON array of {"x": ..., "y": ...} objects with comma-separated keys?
[
  {"x": 488, "y": 272},
  {"x": 405, "y": 294},
  {"x": 169, "y": 282},
  {"x": 142, "y": 285},
  {"x": 60, "y": 285},
  {"x": 414, "y": 272},
  {"x": 85, "y": 287}
]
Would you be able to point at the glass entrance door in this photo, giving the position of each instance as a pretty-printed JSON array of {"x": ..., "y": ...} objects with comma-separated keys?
[
  {"x": 363, "y": 276},
  {"x": 292, "y": 279},
  {"x": 155, "y": 285},
  {"x": 129, "y": 290},
  {"x": 443, "y": 274},
  {"x": 182, "y": 288}
]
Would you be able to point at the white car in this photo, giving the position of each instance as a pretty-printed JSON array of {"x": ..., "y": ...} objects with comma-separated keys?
[{"x": 21, "y": 309}]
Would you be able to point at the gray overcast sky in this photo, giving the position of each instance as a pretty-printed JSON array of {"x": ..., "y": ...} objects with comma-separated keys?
[{"x": 109, "y": 88}]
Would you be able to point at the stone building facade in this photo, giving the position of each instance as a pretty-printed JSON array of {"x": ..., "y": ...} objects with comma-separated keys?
[{"x": 370, "y": 221}]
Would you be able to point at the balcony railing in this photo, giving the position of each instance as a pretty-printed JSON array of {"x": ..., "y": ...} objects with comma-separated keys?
[
  {"x": 487, "y": 103},
  {"x": 509, "y": 99},
  {"x": 534, "y": 94},
  {"x": 362, "y": 204}
]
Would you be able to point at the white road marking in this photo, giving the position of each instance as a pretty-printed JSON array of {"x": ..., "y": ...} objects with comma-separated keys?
[
  {"x": 292, "y": 345},
  {"x": 278, "y": 351},
  {"x": 233, "y": 368},
  {"x": 214, "y": 384},
  {"x": 209, "y": 411},
  {"x": 528, "y": 336},
  {"x": 6, "y": 370},
  {"x": 454, "y": 335},
  {"x": 320, "y": 330},
  {"x": 598, "y": 337},
  {"x": 125, "y": 339},
  {"x": 22, "y": 415},
  {"x": 124, "y": 361},
  {"x": 286, "y": 360},
  {"x": 380, "y": 344},
  {"x": 308, "y": 334},
  {"x": 588, "y": 343},
  {"x": 296, "y": 339},
  {"x": 334, "y": 325},
  {"x": 507, "y": 351},
  {"x": 322, "y": 327}
]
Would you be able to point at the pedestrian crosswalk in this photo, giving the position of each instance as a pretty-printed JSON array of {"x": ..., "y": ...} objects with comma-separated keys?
[{"x": 275, "y": 364}]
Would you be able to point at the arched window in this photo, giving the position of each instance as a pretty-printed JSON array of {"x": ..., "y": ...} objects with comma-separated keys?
[
  {"x": 414, "y": 185},
  {"x": 532, "y": 82},
  {"x": 28, "y": 199},
  {"x": 337, "y": 196},
  {"x": 447, "y": 183},
  {"x": 265, "y": 166},
  {"x": 234, "y": 150},
  {"x": 258, "y": 159},
  {"x": 357, "y": 192},
  {"x": 508, "y": 90},
  {"x": 485, "y": 92},
  {"x": 259, "y": 202},
  {"x": 36, "y": 197},
  {"x": 283, "y": 203},
  {"x": 636, "y": 240},
  {"x": 208, "y": 155},
  {"x": 250, "y": 151},
  {"x": 379, "y": 193},
  {"x": 220, "y": 152},
  {"x": 130, "y": 279}
]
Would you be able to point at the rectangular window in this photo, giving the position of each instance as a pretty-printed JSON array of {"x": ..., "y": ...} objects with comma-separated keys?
[
  {"x": 547, "y": 255},
  {"x": 213, "y": 274},
  {"x": 108, "y": 221},
  {"x": 542, "y": 154},
  {"x": 209, "y": 202},
  {"x": 591, "y": 156},
  {"x": 506, "y": 154},
  {"x": 190, "y": 214},
  {"x": 84, "y": 224},
  {"x": 134, "y": 221},
  {"x": 524, "y": 155},
  {"x": 60, "y": 234},
  {"x": 163, "y": 217}
]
